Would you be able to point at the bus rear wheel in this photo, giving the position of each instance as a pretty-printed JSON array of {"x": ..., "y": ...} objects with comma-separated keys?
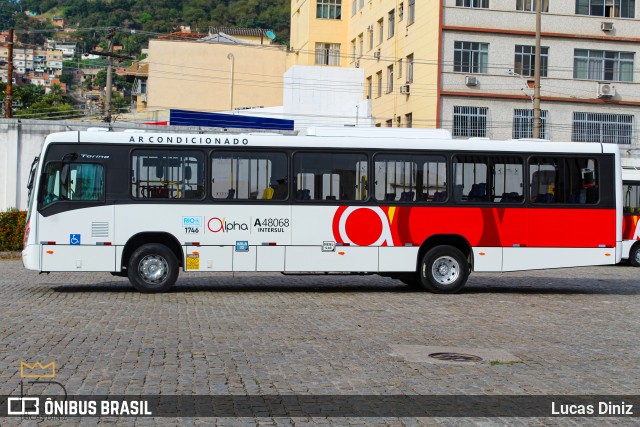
[
  {"x": 444, "y": 270},
  {"x": 634, "y": 255},
  {"x": 153, "y": 268}
]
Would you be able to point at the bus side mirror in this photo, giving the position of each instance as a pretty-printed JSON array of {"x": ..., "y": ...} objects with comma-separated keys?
[
  {"x": 64, "y": 174},
  {"x": 159, "y": 172},
  {"x": 187, "y": 173}
]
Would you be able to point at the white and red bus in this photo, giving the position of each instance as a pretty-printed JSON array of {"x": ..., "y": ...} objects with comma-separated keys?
[
  {"x": 631, "y": 212},
  {"x": 411, "y": 204}
]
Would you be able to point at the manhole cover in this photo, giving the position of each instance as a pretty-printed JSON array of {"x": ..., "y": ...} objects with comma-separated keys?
[{"x": 455, "y": 357}]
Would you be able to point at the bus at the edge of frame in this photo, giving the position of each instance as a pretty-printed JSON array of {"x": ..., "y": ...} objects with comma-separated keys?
[
  {"x": 411, "y": 204},
  {"x": 631, "y": 211}
]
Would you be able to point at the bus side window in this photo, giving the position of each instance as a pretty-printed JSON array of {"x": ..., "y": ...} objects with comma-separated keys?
[
  {"x": 167, "y": 174},
  {"x": 330, "y": 176},
  {"x": 85, "y": 183},
  {"x": 410, "y": 178},
  {"x": 247, "y": 175},
  {"x": 558, "y": 180},
  {"x": 471, "y": 173}
]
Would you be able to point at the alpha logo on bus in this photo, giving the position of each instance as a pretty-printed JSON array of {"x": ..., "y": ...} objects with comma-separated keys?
[
  {"x": 363, "y": 226},
  {"x": 221, "y": 225}
]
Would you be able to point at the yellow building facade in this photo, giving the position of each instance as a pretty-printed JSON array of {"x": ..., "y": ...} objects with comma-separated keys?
[{"x": 396, "y": 42}]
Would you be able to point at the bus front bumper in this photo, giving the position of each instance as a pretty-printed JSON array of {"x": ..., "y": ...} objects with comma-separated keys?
[{"x": 31, "y": 257}]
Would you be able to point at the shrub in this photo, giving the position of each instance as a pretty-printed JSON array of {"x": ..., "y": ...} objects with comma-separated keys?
[{"x": 12, "y": 223}]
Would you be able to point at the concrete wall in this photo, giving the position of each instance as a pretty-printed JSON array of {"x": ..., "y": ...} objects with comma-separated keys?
[
  {"x": 326, "y": 96},
  {"x": 20, "y": 142}
]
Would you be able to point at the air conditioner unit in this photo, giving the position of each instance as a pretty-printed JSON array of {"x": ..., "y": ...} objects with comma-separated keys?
[
  {"x": 406, "y": 89},
  {"x": 376, "y": 54},
  {"x": 606, "y": 90},
  {"x": 471, "y": 81},
  {"x": 606, "y": 26}
]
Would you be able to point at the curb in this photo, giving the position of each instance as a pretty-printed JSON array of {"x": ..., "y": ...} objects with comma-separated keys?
[{"x": 10, "y": 255}]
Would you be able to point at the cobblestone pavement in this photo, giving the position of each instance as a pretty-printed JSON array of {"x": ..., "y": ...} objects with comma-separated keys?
[{"x": 575, "y": 331}]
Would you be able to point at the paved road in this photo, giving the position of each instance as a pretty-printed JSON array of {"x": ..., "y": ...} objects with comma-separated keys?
[{"x": 573, "y": 331}]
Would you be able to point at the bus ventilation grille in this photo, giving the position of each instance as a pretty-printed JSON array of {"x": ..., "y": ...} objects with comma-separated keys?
[{"x": 99, "y": 229}]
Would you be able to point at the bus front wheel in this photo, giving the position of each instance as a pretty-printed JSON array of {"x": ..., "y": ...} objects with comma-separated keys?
[
  {"x": 153, "y": 268},
  {"x": 444, "y": 270},
  {"x": 634, "y": 255}
]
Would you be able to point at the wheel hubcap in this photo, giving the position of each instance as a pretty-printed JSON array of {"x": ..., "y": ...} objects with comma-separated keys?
[
  {"x": 445, "y": 270},
  {"x": 153, "y": 269},
  {"x": 638, "y": 256}
]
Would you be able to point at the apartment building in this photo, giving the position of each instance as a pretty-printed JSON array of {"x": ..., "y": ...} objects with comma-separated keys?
[
  {"x": 395, "y": 42},
  {"x": 467, "y": 65}
]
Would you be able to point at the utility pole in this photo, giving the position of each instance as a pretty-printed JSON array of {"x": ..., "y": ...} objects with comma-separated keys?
[
  {"x": 107, "y": 102},
  {"x": 232, "y": 59},
  {"x": 536, "y": 84},
  {"x": 9, "y": 99}
]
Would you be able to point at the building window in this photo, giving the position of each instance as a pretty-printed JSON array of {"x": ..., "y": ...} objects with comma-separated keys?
[
  {"x": 603, "y": 65},
  {"x": 483, "y": 4},
  {"x": 600, "y": 127},
  {"x": 523, "y": 123},
  {"x": 408, "y": 120},
  {"x": 410, "y": 68},
  {"x": 470, "y": 121},
  {"x": 354, "y": 7},
  {"x": 361, "y": 4},
  {"x": 390, "y": 79},
  {"x": 360, "y": 45},
  {"x": 353, "y": 50},
  {"x": 369, "y": 87},
  {"x": 526, "y": 59},
  {"x": 379, "y": 81},
  {"x": 400, "y": 68},
  {"x": 400, "y": 12},
  {"x": 607, "y": 8},
  {"x": 327, "y": 53},
  {"x": 412, "y": 12},
  {"x": 392, "y": 23},
  {"x": 470, "y": 57},
  {"x": 381, "y": 31},
  {"x": 389, "y": 123},
  {"x": 370, "y": 37},
  {"x": 329, "y": 9},
  {"x": 530, "y": 5}
]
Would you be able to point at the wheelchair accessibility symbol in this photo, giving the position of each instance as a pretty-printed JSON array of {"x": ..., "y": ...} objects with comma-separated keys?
[{"x": 74, "y": 239}]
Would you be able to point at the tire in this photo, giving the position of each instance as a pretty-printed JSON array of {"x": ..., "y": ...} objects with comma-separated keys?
[
  {"x": 634, "y": 255},
  {"x": 153, "y": 268},
  {"x": 443, "y": 270}
]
